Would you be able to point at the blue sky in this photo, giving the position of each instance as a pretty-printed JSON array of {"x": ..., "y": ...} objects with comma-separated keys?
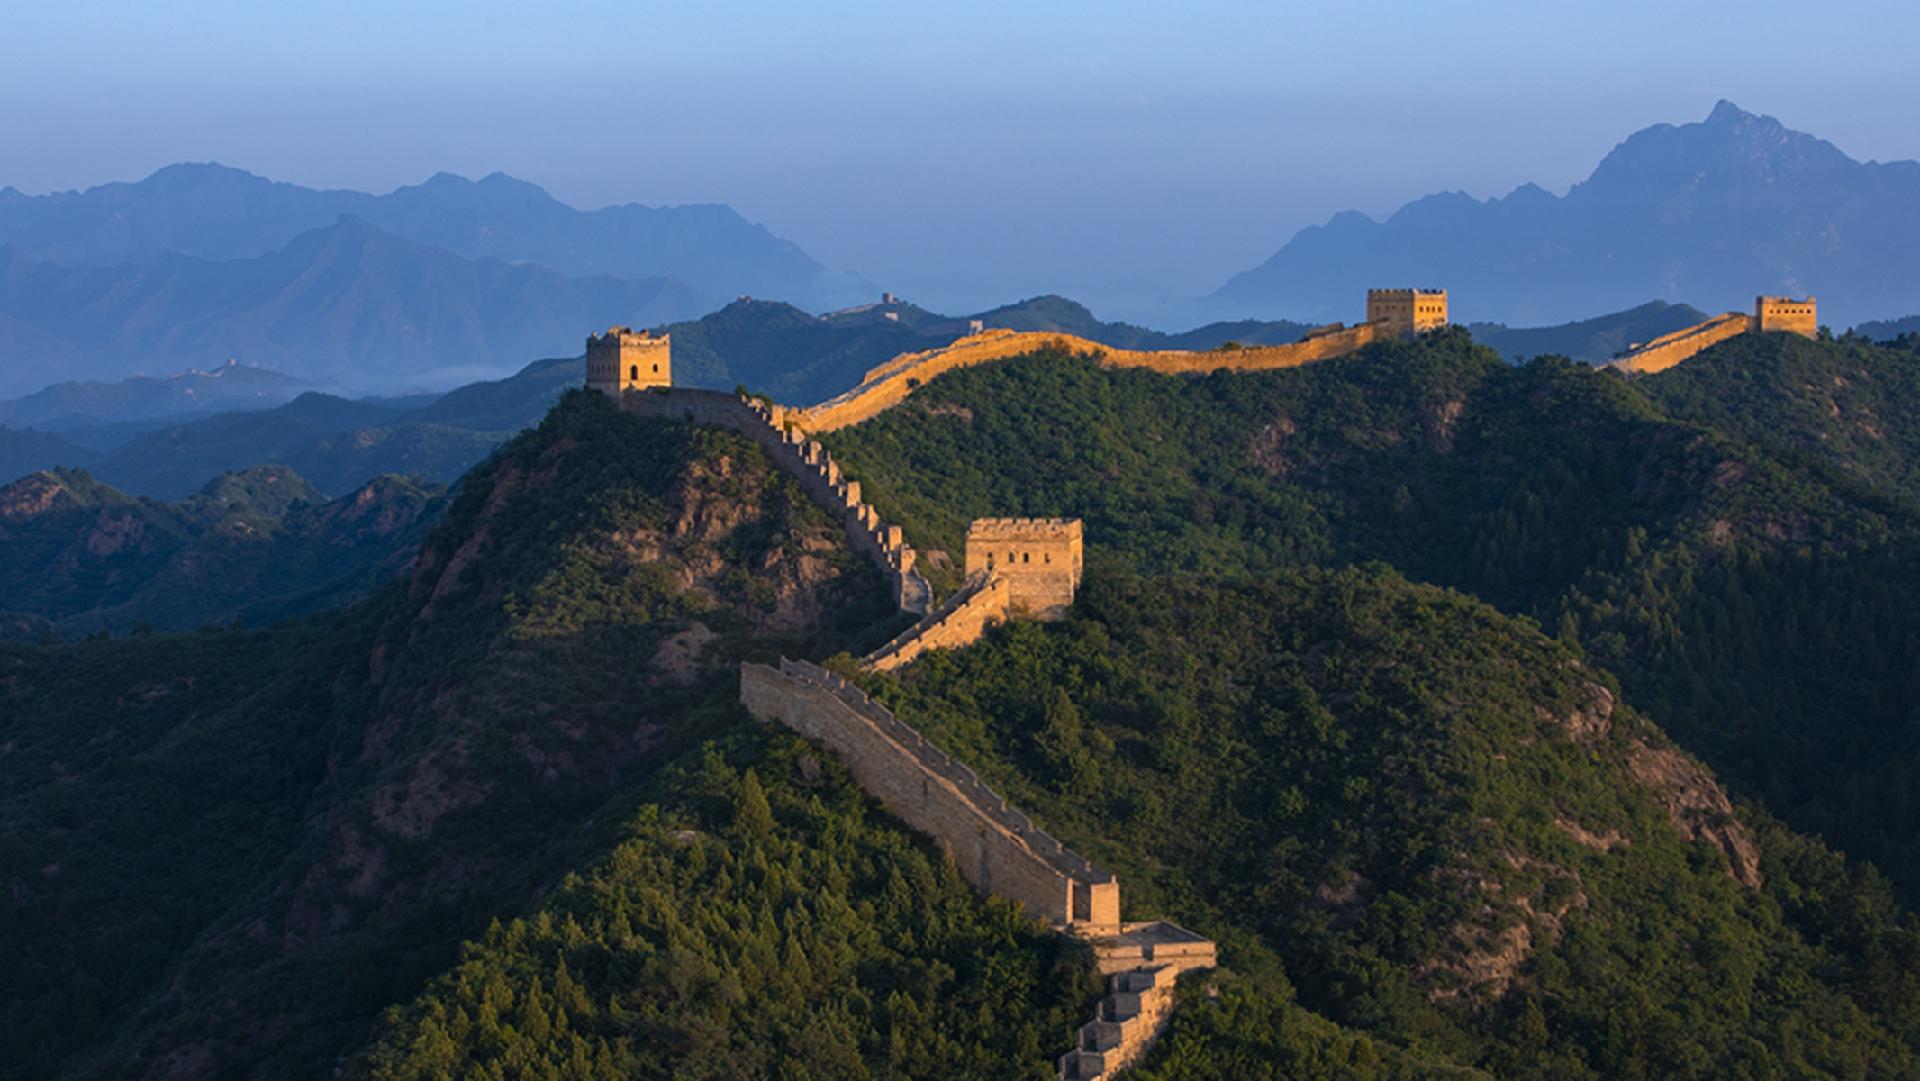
[{"x": 962, "y": 154}]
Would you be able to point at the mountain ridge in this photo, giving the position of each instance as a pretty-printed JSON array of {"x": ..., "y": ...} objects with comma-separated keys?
[{"x": 222, "y": 213}]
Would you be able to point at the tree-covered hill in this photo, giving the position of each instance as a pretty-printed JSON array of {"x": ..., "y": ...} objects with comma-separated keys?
[
  {"x": 1432, "y": 821},
  {"x": 78, "y": 556},
  {"x": 1760, "y": 606},
  {"x": 224, "y": 852},
  {"x": 1848, "y": 403},
  {"x": 504, "y": 818}
]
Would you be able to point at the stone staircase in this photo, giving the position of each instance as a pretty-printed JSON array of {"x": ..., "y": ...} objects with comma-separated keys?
[
  {"x": 1136, "y": 1008},
  {"x": 1142, "y": 962}
]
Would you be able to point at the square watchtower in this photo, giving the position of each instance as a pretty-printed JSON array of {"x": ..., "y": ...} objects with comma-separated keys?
[
  {"x": 1800, "y": 317},
  {"x": 624, "y": 359},
  {"x": 1407, "y": 312},
  {"x": 1039, "y": 558}
]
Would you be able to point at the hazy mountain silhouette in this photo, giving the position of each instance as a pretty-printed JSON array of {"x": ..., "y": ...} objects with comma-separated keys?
[
  {"x": 348, "y": 302},
  {"x": 1711, "y": 213},
  {"x": 221, "y": 213},
  {"x": 147, "y": 398}
]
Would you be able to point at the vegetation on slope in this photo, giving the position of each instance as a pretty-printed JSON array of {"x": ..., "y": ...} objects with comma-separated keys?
[
  {"x": 233, "y": 849},
  {"x": 1427, "y": 837},
  {"x": 1435, "y": 823},
  {"x": 77, "y": 556},
  {"x": 1759, "y": 607},
  {"x": 756, "y": 922}
]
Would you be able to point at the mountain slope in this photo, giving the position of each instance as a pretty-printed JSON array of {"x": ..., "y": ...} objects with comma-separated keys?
[
  {"x": 539, "y": 728},
  {"x": 24, "y": 451},
  {"x": 1759, "y": 608},
  {"x": 1441, "y": 823},
  {"x": 380, "y": 783},
  {"x": 1712, "y": 212}
]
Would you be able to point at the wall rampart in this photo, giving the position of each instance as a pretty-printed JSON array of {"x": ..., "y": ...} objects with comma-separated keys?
[
  {"x": 960, "y": 621},
  {"x": 888, "y": 384},
  {"x": 1670, "y": 349},
  {"x": 995, "y": 847}
]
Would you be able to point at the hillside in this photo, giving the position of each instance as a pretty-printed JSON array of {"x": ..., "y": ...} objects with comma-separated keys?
[
  {"x": 346, "y": 302},
  {"x": 1888, "y": 329},
  {"x": 1441, "y": 826},
  {"x": 77, "y": 556},
  {"x": 1427, "y": 837},
  {"x": 1760, "y": 609},
  {"x": 381, "y": 783},
  {"x": 1711, "y": 213}
]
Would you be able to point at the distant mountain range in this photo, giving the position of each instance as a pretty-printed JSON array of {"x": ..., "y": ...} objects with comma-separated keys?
[
  {"x": 1712, "y": 213},
  {"x": 199, "y": 263},
  {"x": 348, "y": 303},
  {"x": 88, "y": 403},
  {"x": 219, "y": 213}
]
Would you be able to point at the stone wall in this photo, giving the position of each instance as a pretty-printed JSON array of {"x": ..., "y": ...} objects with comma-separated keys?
[
  {"x": 995, "y": 847},
  {"x": 811, "y": 466},
  {"x": 960, "y": 621},
  {"x": 889, "y": 384},
  {"x": 1670, "y": 349},
  {"x": 1770, "y": 314}
]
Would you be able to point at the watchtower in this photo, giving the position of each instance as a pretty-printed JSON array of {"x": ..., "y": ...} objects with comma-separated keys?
[
  {"x": 1039, "y": 558},
  {"x": 1800, "y": 317},
  {"x": 623, "y": 359},
  {"x": 1407, "y": 312}
]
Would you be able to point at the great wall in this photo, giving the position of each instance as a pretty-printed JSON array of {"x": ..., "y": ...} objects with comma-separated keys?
[
  {"x": 1792, "y": 316},
  {"x": 1015, "y": 568},
  {"x": 1390, "y": 313}
]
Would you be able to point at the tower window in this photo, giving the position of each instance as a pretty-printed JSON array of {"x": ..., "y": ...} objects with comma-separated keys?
[{"x": 635, "y": 372}]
